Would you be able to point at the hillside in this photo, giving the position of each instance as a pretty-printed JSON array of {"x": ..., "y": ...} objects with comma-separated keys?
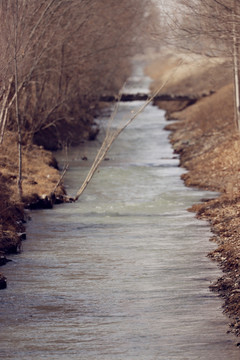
[{"x": 206, "y": 138}]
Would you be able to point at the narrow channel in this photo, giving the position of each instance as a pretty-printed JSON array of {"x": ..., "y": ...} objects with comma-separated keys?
[{"x": 122, "y": 274}]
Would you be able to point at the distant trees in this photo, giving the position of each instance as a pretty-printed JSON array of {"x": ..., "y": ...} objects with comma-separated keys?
[
  {"x": 62, "y": 49},
  {"x": 58, "y": 56}
]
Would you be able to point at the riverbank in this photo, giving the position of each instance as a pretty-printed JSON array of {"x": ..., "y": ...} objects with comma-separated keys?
[
  {"x": 41, "y": 182},
  {"x": 40, "y": 178},
  {"x": 206, "y": 139}
]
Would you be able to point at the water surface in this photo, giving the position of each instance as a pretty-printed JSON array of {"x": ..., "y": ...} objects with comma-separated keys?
[{"x": 122, "y": 274}]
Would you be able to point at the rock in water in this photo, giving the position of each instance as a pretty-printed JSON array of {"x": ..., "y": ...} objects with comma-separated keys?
[{"x": 3, "y": 282}]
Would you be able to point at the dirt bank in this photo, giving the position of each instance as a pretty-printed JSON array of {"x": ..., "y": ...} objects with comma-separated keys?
[
  {"x": 42, "y": 186},
  {"x": 40, "y": 177},
  {"x": 205, "y": 136}
]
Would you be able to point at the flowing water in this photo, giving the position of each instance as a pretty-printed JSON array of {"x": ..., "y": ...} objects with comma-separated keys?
[{"x": 123, "y": 273}]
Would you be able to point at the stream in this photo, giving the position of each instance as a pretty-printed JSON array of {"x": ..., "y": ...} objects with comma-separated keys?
[{"x": 122, "y": 274}]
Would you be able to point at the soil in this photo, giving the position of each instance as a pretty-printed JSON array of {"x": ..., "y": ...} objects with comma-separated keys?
[
  {"x": 208, "y": 142},
  {"x": 42, "y": 186}
]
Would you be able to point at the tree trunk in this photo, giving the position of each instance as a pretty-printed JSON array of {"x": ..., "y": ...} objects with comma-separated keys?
[{"x": 19, "y": 180}]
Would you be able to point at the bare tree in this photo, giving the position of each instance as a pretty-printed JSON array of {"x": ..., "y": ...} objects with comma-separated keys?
[
  {"x": 57, "y": 57},
  {"x": 209, "y": 27},
  {"x": 67, "y": 54}
]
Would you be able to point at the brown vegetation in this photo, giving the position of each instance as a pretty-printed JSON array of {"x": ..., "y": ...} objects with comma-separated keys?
[
  {"x": 209, "y": 27},
  {"x": 57, "y": 58},
  {"x": 39, "y": 176},
  {"x": 209, "y": 147},
  {"x": 66, "y": 54}
]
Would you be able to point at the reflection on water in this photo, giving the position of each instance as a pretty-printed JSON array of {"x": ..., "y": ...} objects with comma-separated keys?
[{"x": 123, "y": 273}]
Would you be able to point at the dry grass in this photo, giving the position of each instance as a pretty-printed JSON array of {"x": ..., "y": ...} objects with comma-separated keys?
[
  {"x": 39, "y": 179},
  {"x": 209, "y": 147},
  {"x": 39, "y": 175},
  {"x": 196, "y": 74},
  {"x": 213, "y": 112}
]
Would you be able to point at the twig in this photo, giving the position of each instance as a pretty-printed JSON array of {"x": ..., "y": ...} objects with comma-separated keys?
[
  {"x": 110, "y": 138},
  {"x": 61, "y": 177}
]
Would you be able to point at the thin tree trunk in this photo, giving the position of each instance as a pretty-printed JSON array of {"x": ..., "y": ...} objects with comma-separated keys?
[
  {"x": 19, "y": 181},
  {"x": 3, "y": 113}
]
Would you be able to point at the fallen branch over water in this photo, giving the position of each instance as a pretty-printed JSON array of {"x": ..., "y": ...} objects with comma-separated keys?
[
  {"x": 160, "y": 97},
  {"x": 111, "y": 135}
]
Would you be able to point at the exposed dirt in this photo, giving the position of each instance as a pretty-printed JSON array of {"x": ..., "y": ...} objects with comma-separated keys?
[
  {"x": 40, "y": 177},
  {"x": 206, "y": 138},
  {"x": 42, "y": 187}
]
